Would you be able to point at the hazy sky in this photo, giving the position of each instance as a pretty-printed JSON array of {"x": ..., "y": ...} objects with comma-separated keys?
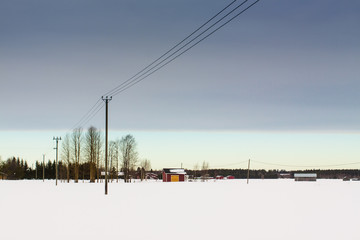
[{"x": 283, "y": 68}]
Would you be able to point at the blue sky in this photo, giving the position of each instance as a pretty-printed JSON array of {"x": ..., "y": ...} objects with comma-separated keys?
[{"x": 282, "y": 67}]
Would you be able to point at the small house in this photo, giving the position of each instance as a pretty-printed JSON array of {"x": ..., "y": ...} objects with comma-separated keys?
[
  {"x": 305, "y": 176},
  {"x": 173, "y": 175},
  {"x": 230, "y": 177},
  {"x": 219, "y": 177}
]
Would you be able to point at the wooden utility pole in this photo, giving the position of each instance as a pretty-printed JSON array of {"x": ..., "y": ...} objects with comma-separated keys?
[
  {"x": 43, "y": 167},
  {"x": 106, "y": 100},
  {"x": 57, "y": 147},
  {"x": 248, "y": 173}
]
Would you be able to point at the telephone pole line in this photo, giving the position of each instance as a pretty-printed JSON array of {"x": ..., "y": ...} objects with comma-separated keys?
[
  {"x": 106, "y": 100},
  {"x": 57, "y": 147}
]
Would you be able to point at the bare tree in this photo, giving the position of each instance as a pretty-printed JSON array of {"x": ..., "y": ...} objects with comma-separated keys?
[
  {"x": 66, "y": 155},
  {"x": 129, "y": 155},
  {"x": 76, "y": 145},
  {"x": 204, "y": 171},
  {"x": 117, "y": 153},
  {"x": 113, "y": 156},
  {"x": 92, "y": 147},
  {"x": 98, "y": 153},
  {"x": 145, "y": 167}
]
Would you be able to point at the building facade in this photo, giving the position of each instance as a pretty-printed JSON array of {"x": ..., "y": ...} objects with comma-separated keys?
[{"x": 173, "y": 175}]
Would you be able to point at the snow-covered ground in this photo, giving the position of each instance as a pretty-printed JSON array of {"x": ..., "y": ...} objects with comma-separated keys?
[{"x": 225, "y": 209}]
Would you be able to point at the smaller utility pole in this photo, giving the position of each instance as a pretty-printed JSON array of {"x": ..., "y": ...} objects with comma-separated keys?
[
  {"x": 248, "y": 173},
  {"x": 106, "y": 100},
  {"x": 43, "y": 167},
  {"x": 57, "y": 147}
]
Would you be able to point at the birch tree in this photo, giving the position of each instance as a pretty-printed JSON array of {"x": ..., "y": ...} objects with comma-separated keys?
[
  {"x": 76, "y": 145},
  {"x": 204, "y": 171},
  {"x": 66, "y": 155},
  {"x": 98, "y": 153},
  {"x": 145, "y": 167},
  {"x": 129, "y": 155},
  {"x": 92, "y": 150}
]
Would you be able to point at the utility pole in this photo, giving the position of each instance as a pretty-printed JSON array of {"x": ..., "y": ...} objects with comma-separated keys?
[
  {"x": 248, "y": 173},
  {"x": 57, "y": 147},
  {"x": 43, "y": 167},
  {"x": 106, "y": 100}
]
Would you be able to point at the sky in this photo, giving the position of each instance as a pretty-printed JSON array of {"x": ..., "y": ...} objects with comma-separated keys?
[{"x": 284, "y": 74}]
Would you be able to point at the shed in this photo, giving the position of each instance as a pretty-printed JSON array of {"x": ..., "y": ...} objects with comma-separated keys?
[
  {"x": 173, "y": 175},
  {"x": 305, "y": 176},
  {"x": 219, "y": 177},
  {"x": 230, "y": 177}
]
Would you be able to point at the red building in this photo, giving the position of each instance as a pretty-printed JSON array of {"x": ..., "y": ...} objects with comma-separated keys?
[
  {"x": 230, "y": 177},
  {"x": 173, "y": 175},
  {"x": 219, "y": 177}
]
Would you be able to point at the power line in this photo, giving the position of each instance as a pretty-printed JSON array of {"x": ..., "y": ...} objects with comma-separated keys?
[
  {"x": 171, "y": 49},
  {"x": 167, "y": 60},
  {"x": 152, "y": 67},
  {"x": 92, "y": 114},
  {"x": 87, "y": 114}
]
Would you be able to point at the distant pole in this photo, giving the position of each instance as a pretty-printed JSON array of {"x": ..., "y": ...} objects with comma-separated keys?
[
  {"x": 57, "y": 147},
  {"x": 181, "y": 165},
  {"x": 248, "y": 174},
  {"x": 106, "y": 100},
  {"x": 36, "y": 170},
  {"x": 43, "y": 167}
]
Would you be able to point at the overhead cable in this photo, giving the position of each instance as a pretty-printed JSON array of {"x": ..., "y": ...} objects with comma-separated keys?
[
  {"x": 171, "y": 49},
  {"x": 171, "y": 57}
]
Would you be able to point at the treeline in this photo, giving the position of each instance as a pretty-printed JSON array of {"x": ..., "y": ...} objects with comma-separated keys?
[
  {"x": 82, "y": 157},
  {"x": 276, "y": 173},
  {"x": 17, "y": 169},
  {"x": 237, "y": 173},
  {"x": 14, "y": 168}
]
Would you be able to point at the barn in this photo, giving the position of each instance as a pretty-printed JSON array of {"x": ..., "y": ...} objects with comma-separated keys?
[
  {"x": 173, "y": 175},
  {"x": 305, "y": 176}
]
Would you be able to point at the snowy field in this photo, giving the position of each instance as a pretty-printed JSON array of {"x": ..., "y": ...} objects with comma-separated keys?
[{"x": 225, "y": 209}]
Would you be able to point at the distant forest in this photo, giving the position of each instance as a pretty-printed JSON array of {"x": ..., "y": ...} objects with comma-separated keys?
[
  {"x": 276, "y": 173},
  {"x": 16, "y": 169}
]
